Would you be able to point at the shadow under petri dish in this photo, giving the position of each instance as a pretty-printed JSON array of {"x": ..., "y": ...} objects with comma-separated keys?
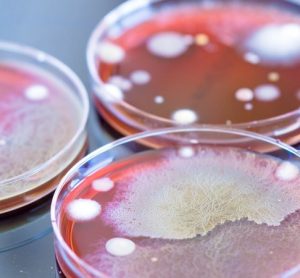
[
  {"x": 42, "y": 119},
  {"x": 169, "y": 63}
]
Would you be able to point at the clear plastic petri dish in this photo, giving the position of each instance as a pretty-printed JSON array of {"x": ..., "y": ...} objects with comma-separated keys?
[
  {"x": 43, "y": 114},
  {"x": 184, "y": 210},
  {"x": 163, "y": 63}
]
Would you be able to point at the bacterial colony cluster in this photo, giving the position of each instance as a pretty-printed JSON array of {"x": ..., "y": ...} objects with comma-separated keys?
[{"x": 224, "y": 65}]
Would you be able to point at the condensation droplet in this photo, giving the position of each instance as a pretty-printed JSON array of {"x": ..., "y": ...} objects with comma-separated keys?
[
  {"x": 287, "y": 171},
  {"x": 120, "y": 246},
  {"x": 103, "y": 185},
  {"x": 110, "y": 53},
  {"x": 168, "y": 44},
  {"x": 140, "y": 77},
  {"x": 159, "y": 99},
  {"x": 244, "y": 94},
  {"x": 36, "y": 92},
  {"x": 83, "y": 209},
  {"x": 184, "y": 116},
  {"x": 267, "y": 92}
]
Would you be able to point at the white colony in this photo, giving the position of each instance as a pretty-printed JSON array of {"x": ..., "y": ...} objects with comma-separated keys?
[
  {"x": 287, "y": 171},
  {"x": 110, "y": 53},
  {"x": 267, "y": 92},
  {"x": 83, "y": 209},
  {"x": 159, "y": 99},
  {"x": 103, "y": 184},
  {"x": 273, "y": 76},
  {"x": 244, "y": 94},
  {"x": 252, "y": 58},
  {"x": 168, "y": 44},
  {"x": 201, "y": 39},
  {"x": 120, "y": 246},
  {"x": 36, "y": 92},
  {"x": 121, "y": 82},
  {"x": 276, "y": 43},
  {"x": 248, "y": 106},
  {"x": 184, "y": 116},
  {"x": 186, "y": 152},
  {"x": 140, "y": 77}
]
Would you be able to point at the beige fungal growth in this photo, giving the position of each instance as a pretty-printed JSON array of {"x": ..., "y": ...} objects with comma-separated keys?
[{"x": 188, "y": 197}]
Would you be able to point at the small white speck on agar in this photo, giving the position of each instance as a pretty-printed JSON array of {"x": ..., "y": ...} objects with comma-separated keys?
[
  {"x": 159, "y": 99},
  {"x": 110, "y": 53},
  {"x": 244, "y": 94},
  {"x": 36, "y": 92},
  {"x": 154, "y": 259},
  {"x": 252, "y": 58},
  {"x": 140, "y": 77},
  {"x": 184, "y": 116},
  {"x": 201, "y": 39},
  {"x": 83, "y": 209},
  {"x": 103, "y": 184},
  {"x": 120, "y": 246},
  {"x": 273, "y": 76},
  {"x": 248, "y": 106}
]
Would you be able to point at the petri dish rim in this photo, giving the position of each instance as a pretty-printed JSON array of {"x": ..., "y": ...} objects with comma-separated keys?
[
  {"x": 138, "y": 136},
  {"x": 43, "y": 58},
  {"x": 132, "y": 6}
]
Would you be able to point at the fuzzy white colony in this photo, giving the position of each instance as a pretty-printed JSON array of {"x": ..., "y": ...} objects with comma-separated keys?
[
  {"x": 83, "y": 209},
  {"x": 276, "y": 44},
  {"x": 184, "y": 116},
  {"x": 202, "y": 188},
  {"x": 169, "y": 44},
  {"x": 110, "y": 53},
  {"x": 36, "y": 92}
]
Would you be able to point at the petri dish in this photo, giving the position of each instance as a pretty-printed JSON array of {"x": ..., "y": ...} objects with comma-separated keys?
[
  {"x": 43, "y": 114},
  {"x": 164, "y": 63},
  {"x": 182, "y": 210}
]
